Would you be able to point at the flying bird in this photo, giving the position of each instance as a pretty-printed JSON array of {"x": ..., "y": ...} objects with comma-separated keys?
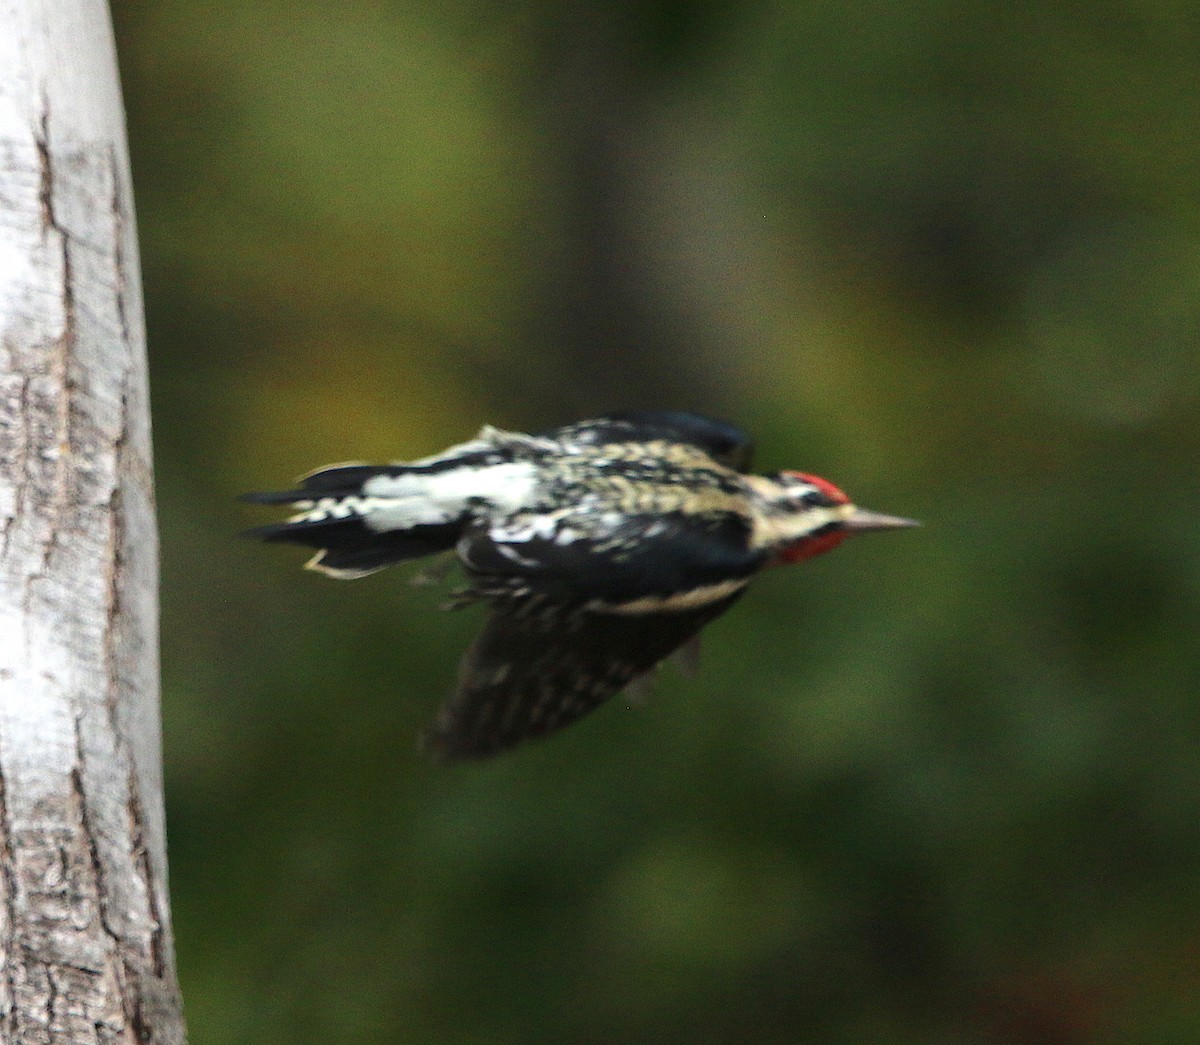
[{"x": 600, "y": 548}]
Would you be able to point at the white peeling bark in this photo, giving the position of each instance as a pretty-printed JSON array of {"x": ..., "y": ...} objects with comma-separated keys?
[{"x": 85, "y": 941}]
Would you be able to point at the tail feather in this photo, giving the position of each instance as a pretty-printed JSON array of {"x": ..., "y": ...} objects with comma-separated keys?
[
  {"x": 351, "y": 563},
  {"x": 274, "y": 497},
  {"x": 344, "y": 479},
  {"x": 347, "y": 545}
]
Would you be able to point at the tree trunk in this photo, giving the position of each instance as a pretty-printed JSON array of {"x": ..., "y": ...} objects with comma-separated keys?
[{"x": 85, "y": 938}]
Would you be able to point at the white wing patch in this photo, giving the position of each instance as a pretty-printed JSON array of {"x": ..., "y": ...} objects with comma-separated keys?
[{"x": 546, "y": 526}]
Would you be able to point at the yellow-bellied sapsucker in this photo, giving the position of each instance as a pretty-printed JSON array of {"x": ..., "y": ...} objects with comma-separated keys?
[{"x": 601, "y": 547}]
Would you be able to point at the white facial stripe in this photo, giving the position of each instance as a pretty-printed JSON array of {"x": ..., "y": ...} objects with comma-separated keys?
[
  {"x": 773, "y": 530},
  {"x": 679, "y": 603}
]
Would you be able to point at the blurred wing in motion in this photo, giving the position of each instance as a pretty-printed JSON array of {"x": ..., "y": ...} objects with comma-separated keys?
[{"x": 529, "y": 674}]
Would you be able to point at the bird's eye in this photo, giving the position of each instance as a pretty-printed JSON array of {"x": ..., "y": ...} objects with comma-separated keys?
[{"x": 815, "y": 499}]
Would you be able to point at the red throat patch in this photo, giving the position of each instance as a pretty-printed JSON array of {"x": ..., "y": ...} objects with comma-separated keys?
[{"x": 810, "y": 547}]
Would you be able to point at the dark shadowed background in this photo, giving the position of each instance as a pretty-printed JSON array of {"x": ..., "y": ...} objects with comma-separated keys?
[{"x": 939, "y": 787}]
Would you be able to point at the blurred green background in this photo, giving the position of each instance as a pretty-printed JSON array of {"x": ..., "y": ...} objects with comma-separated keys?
[{"x": 940, "y": 787}]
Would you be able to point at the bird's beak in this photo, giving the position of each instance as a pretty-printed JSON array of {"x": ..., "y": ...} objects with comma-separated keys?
[{"x": 860, "y": 520}]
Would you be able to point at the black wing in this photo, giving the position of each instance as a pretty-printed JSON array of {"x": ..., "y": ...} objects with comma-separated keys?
[
  {"x": 575, "y": 622},
  {"x": 671, "y": 558},
  {"x": 530, "y": 674},
  {"x": 725, "y": 443}
]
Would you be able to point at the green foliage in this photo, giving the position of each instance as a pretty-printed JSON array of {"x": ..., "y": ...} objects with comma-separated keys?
[{"x": 939, "y": 787}]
